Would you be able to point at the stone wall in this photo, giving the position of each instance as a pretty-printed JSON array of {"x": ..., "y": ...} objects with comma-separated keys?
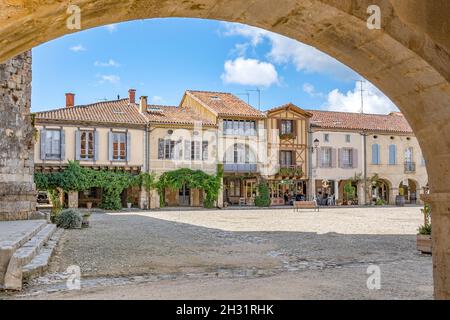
[{"x": 17, "y": 189}]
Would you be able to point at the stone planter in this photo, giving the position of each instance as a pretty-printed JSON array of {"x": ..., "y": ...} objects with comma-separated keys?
[
  {"x": 400, "y": 201},
  {"x": 424, "y": 243},
  {"x": 129, "y": 204},
  {"x": 89, "y": 205}
]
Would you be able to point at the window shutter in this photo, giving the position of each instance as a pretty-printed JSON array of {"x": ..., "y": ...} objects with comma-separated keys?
[
  {"x": 110, "y": 146},
  {"x": 374, "y": 154},
  {"x": 160, "y": 149},
  {"x": 294, "y": 158},
  {"x": 355, "y": 158},
  {"x": 43, "y": 143},
  {"x": 63, "y": 144},
  {"x": 128, "y": 146},
  {"x": 294, "y": 128},
  {"x": 205, "y": 150},
  {"x": 279, "y": 125},
  {"x": 333, "y": 158},
  {"x": 340, "y": 158},
  {"x": 77, "y": 145},
  {"x": 187, "y": 149},
  {"x": 95, "y": 145}
]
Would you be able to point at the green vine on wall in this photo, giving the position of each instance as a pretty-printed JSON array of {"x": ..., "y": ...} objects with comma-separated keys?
[
  {"x": 77, "y": 178},
  {"x": 194, "y": 179}
]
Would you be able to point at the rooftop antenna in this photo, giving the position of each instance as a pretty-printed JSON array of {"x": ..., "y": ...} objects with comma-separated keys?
[
  {"x": 362, "y": 94},
  {"x": 259, "y": 96},
  {"x": 245, "y": 94}
]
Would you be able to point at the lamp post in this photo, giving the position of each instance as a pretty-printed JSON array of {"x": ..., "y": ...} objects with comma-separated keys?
[{"x": 313, "y": 148}]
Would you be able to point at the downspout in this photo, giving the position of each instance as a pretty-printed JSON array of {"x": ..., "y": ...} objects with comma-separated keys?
[
  {"x": 365, "y": 165},
  {"x": 310, "y": 152}
]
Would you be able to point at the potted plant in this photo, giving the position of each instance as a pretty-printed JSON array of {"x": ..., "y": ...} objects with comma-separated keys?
[
  {"x": 129, "y": 202},
  {"x": 89, "y": 205},
  {"x": 85, "y": 222},
  {"x": 350, "y": 192},
  {"x": 424, "y": 243}
]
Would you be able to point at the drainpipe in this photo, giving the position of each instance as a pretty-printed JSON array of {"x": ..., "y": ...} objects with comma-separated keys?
[
  {"x": 365, "y": 165},
  {"x": 310, "y": 157},
  {"x": 147, "y": 149}
]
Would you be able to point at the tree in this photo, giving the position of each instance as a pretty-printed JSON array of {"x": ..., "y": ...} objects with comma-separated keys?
[{"x": 263, "y": 197}]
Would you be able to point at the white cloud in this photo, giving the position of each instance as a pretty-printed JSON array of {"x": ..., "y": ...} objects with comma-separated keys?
[
  {"x": 285, "y": 50},
  {"x": 109, "y": 63},
  {"x": 157, "y": 99},
  {"x": 250, "y": 72},
  {"x": 111, "y": 27},
  {"x": 374, "y": 100},
  {"x": 311, "y": 90},
  {"x": 78, "y": 48},
  {"x": 111, "y": 78}
]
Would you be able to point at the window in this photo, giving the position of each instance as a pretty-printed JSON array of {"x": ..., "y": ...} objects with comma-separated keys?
[
  {"x": 347, "y": 158},
  {"x": 166, "y": 149},
  {"x": 53, "y": 144},
  {"x": 326, "y": 158},
  {"x": 86, "y": 145},
  {"x": 119, "y": 145},
  {"x": 287, "y": 126},
  {"x": 392, "y": 154},
  {"x": 195, "y": 150},
  {"x": 409, "y": 155},
  {"x": 326, "y": 137},
  {"x": 239, "y": 127},
  {"x": 376, "y": 154},
  {"x": 347, "y": 138},
  {"x": 235, "y": 188},
  {"x": 286, "y": 158}
]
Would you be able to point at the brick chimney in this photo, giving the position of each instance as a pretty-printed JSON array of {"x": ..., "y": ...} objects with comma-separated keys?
[
  {"x": 132, "y": 96},
  {"x": 143, "y": 104},
  {"x": 70, "y": 100}
]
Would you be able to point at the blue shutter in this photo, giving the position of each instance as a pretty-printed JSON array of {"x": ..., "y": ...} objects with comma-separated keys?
[
  {"x": 375, "y": 154},
  {"x": 392, "y": 154},
  {"x": 128, "y": 146},
  {"x": 43, "y": 143},
  {"x": 110, "y": 146},
  {"x": 95, "y": 145},
  {"x": 63, "y": 144},
  {"x": 77, "y": 145}
]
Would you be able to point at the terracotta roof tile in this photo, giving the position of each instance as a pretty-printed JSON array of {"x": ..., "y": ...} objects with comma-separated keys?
[
  {"x": 116, "y": 111},
  {"x": 120, "y": 111},
  {"x": 173, "y": 115},
  {"x": 225, "y": 104},
  {"x": 393, "y": 122}
]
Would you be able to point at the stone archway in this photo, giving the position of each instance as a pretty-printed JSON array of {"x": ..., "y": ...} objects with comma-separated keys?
[{"x": 408, "y": 59}]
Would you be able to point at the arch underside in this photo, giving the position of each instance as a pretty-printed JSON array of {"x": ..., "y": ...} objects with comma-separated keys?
[{"x": 409, "y": 59}]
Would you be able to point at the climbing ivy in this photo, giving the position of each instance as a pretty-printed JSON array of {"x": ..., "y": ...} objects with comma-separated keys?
[
  {"x": 194, "y": 179},
  {"x": 77, "y": 178}
]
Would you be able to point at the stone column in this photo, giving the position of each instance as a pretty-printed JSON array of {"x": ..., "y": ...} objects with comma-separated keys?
[
  {"x": 17, "y": 189},
  {"x": 336, "y": 189},
  {"x": 72, "y": 199},
  {"x": 440, "y": 225}
]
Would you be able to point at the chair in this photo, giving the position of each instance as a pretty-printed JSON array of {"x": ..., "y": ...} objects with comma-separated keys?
[{"x": 241, "y": 201}]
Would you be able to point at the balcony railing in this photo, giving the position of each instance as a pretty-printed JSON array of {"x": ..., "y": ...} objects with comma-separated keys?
[
  {"x": 240, "y": 167},
  {"x": 410, "y": 167}
]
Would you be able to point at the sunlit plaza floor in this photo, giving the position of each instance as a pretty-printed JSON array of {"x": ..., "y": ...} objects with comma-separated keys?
[{"x": 242, "y": 254}]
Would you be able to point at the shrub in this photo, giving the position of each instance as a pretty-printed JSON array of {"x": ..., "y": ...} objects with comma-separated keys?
[
  {"x": 425, "y": 230},
  {"x": 380, "y": 202},
  {"x": 263, "y": 198},
  {"x": 69, "y": 219}
]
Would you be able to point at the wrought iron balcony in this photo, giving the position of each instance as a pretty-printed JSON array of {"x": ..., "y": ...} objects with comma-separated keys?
[
  {"x": 240, "y": 167},
  {"x": 410, "y": 167}
]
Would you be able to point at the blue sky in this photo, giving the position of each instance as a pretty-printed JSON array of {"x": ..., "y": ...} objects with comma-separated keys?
[{"x": 161, "y": 58}]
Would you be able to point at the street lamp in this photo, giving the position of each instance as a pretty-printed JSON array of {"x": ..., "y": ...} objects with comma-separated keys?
[{"x": 316, "y": 145}]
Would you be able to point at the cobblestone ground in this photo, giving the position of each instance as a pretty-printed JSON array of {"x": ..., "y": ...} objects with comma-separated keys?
[{"x": 242, "y": 254}]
